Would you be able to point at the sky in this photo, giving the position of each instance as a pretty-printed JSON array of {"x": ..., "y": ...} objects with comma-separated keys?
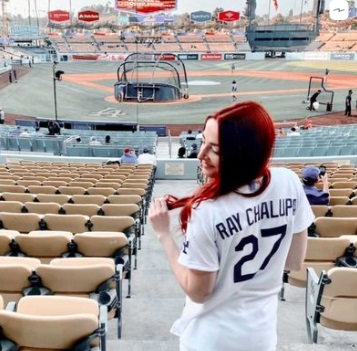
[{"x": 21, "y": 6}]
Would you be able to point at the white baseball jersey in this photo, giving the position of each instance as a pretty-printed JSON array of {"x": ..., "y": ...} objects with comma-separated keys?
[{"x": 247, "y": 241}]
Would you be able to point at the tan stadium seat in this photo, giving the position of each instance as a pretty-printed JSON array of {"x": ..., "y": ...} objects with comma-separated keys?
[
  {"x": 6, "y": 237},
  {"x": 44, "y": 245},
  {"x": 320, "y": 210},
  {"x": 56, "y": 198},
  {"x": 354, "y": 201},
  {"x": 339, "y": 200},
  {"x": 72, "y": 190},
  {"x": 83, "y": 209},
  {"x": 18, "y": 197},
  {"x": 81, "y": 184},
  {"x": 344, "y": 211},
  {"x": 142, "y": 185},
  {"x": 341, "y": 192},
  {"x": 42, "y": 189},
  {"x": 331, "y": 300},
  {"x": 335, "y": 227},
  {"x": 42, "y": 207},
  {"x": 89, "y": 199},
  {"x": 321, "y": 254},
  {"x": 64, "y": 178},
  {"x": 55, "y": 183},
  {"x": 106, "y": 184},
  {"x": 11, "y": 206},
  {"x": 123, "y": 224},
  {"x": 14, "y": 274},
  {"x": 115, "y": 177},
  {"x": 10, "y": 182},
  {"x": 22, "y": 222},
  {"x": 131, "y": 191},
  {"x": 105, "y": 244},
  {"x": 101, "y": 191},
  {"x": 37, "y": 178},
  {"x": 80, "y": 179},
  {"x": 344, "y": 185},
  {"x": 125, "y": 199},
  {"x": 54, "y": 323},
  {"x": 12, "y": 188},
  {"x": 90, "y": 175},
  {"x": 71, "y": 223},
  {"x": 28, "y": 182},
  {"x": 84, "y": 276}
]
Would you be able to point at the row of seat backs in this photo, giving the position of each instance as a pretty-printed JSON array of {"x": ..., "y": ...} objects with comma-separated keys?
[
  {"x": 333, "y": 211},
  {"x": 53, "y": 323},
  {"x": 27, "y": 222},
  {"x": 88, "y": 209},
  {"x": 329, "y": 227}
]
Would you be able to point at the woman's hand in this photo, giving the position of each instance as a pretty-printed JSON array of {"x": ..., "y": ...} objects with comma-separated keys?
[{"x": 159, "y": 217}]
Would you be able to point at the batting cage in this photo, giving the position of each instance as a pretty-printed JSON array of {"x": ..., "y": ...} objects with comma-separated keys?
[
  {"x": 324, "y": 98},
  {"x": 143, "y": 79}
]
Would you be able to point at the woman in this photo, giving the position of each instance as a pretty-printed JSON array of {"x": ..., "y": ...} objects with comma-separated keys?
[{"x": 242, "y": 229}]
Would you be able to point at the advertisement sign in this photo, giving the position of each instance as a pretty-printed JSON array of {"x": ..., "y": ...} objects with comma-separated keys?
[
  {"x": 342, "y": 56},
  {"x": 201, "y": 16},
  {"x": 58, "y": 16},
  {"x": 234, "y": 56},
  {"x": 215, "y": 57},
  {"x": 88, "y": 16},
  {"x": 188, "y": 56},
  {"x": 145, "y": 6},
  {"x": 166, "y": 57},
  {"x": 229, "y": 16}
]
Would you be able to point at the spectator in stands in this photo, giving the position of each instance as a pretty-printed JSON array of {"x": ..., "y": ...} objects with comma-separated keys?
[
  {"x": 129, "y": 156},
  {"x": 234, "y": 91},
  {"x": 94, "y": 141},
  {"x": 280, "y": 132},
  {"x": 307, "y": 124},
  {"x": 37, "y": 132},
  {"x": 227, "y": 265},
  {"x": 181, "y": 152},
  {"x": 310, "y": 177},
  {"x": 294, "y": 132},
  {"x": 348, "y": 103},
  {"x": 193, "y": 151},
  {"x": 107, "y": 139},
  {"x": 146, "y": 157},
  {"x": 16, "y": 132},
  {"x": 2, "y": 116},
  {"x": 199, "y": 137},
  {"x": 190, "y": 136},
  {"x": 24, "y": 134},
  {"x": 53, "y": 127},
  {"x": 314, "y": 99}
]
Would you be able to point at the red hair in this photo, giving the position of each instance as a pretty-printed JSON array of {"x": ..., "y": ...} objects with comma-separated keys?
[{"x": 246, "y": 139}]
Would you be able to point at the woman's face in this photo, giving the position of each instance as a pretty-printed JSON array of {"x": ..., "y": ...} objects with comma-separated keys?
[{"x": 209, "y": 152}]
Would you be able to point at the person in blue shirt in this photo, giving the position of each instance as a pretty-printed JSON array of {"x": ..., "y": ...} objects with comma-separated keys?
[
  {"x": 129, "y": 157},
  {"x": 310, "y": 176}
]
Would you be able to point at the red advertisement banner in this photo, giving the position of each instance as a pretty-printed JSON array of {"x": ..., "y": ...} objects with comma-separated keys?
[
  {"x": 211, "y": 57},
  {"x": 88, "y": 16},
  {"x": 58, "y": 16},
  {"x": 229, "y": 16},
  {"x": 145, "y": 6},
  {"x": 167, "y": 57}
]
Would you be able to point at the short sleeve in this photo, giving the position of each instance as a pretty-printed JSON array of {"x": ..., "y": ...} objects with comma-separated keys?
[
  {"x": 303, "y": 215},
  {"x": 199, "y": 250}
]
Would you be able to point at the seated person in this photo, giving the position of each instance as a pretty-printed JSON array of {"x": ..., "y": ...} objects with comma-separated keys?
[
  {"x": 310, "y": 176},
  {"x": 190, "y": 136},
  {"x": 181, "y": 152},
  {"x": 93, "y": 141},
  {"x": 129, "y": 156},
  {"x": 193, "y": 152},
  {"x": 146, "y": 157}
]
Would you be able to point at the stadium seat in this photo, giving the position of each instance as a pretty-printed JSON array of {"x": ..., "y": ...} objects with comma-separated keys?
[
  {"x": 331, "y": 300},
  {"x": 11, "y": 206},
  {"x": 22, "y": 222},
  {"x": 41, "y": 207},
  {"x": 75, "y": 223},
  {"x": 56, "y": 198},
  {"x": 344, "y": 211},
  {"x": 329, "y": 227},
  {"x": 54, "y": 323},
  {"x": 320, "y": 210},
  {"x": 89, "y": 199},
  {"x": 88, "y": 209},
  {"x": 22, "y": 197}
]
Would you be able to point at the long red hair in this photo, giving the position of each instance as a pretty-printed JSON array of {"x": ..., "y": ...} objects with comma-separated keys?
[{"x": 246, "y": 139}]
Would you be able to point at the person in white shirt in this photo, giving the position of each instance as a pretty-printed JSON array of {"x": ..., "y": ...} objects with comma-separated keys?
[
  {"x": 25, "y": 133},
  {"x": 146, "y": 158},
  {"x": 93, "y": 141},
  {"x": 241, "y": 230},
  {"x": 2, "y": 116}
]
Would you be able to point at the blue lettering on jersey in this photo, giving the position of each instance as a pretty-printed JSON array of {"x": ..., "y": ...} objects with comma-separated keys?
[
  {"x": 185, "y": 246},
  {"x": 264, "y": 210},
  {"x": 230, "y": 227}
]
